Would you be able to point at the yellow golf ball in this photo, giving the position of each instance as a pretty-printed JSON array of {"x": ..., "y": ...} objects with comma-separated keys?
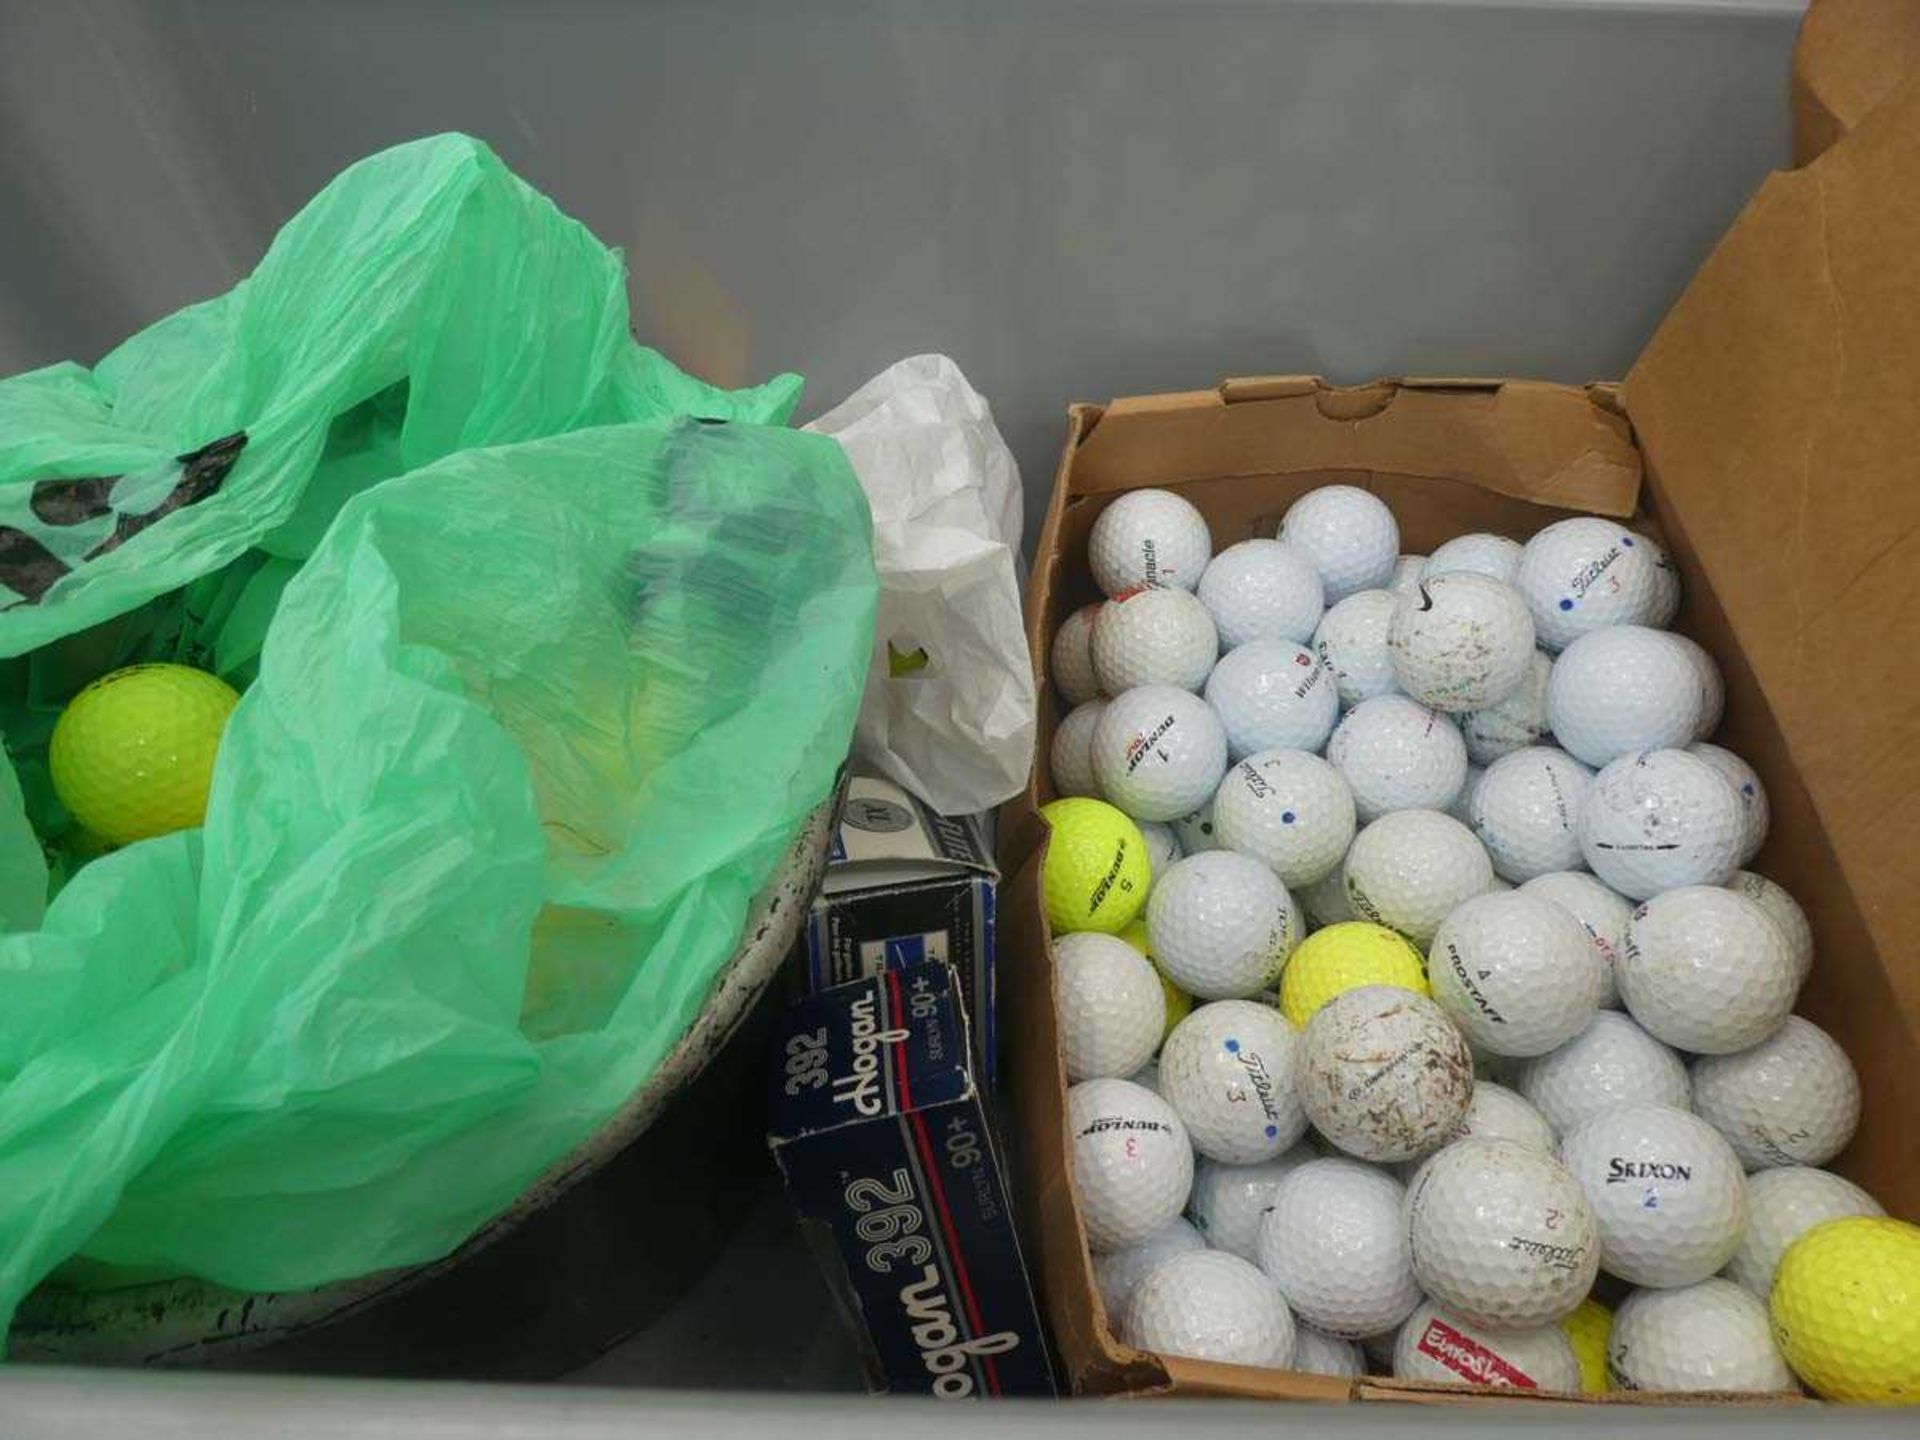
[
  {"x": 1588, "y": 1329},
  {"x": 132, "y": 754},
  {"x": 1846, "y": 1310},
  {"x": 1096, "y": 874},
  {"x": 1344, "y": 957}
]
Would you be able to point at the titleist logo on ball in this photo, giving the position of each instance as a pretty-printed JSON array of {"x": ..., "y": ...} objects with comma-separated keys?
[
  {"x": 1593, "y": 570},
  {"x": 1619, "y": 1169}
]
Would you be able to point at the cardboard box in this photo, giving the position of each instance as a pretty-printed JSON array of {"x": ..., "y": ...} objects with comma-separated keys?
[
  {"x": 1768, "y": 436},
  {"x": 880, "y": 1132},
  {"x": 1850, "y": 56},
  {"x": 905, "y": 886}
]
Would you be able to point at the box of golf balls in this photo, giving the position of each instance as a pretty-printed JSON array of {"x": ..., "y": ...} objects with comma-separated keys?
[
  {"x": 1458, "y": 935},
  {"x": 881, "y": 1133},
  {"x": 905, "y": 887}
]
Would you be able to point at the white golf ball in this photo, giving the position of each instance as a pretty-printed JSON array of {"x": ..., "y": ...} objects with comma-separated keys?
[
  {"x": 1195, "y": 830},
  {"x": 1408, "y": 869},
  {"x": 1117, "y": 1273},
  {"x": 1398, "y": 755},
  {"x": 1289, "y": 810},
  {"x": 1497, "y": 1113},
  {"x": 1599, "y": 910},
  {"x": 1785, "y": 912},
  {"x": 1153, "y": 637},
  {"x": 1666, "y": 588},
  {"x": 1659, "y": 819},
  {"x": 1158, "y": 752},
  {"x": 1149, "y": 538},
  {"x": 1229, "y": 1201},
  {"x": 1335, "y": 1241},
  {"x": 1147, "y": 1077},
  {"x": 1348, "y": 534},
  {"x": 1112, "y": 1008},
  {"x": 1621, "y": 689},
  {"x": 1711, "y": 1335},
  {"x": 1501, "y": 1234},
  {"x": 1460, "y": 641},
  {"x": 1325, "y": 900},
  {"x": 1515, "y": 722},
  {"x": 1526, "y": 811},
  {"x": 1221, "y": 925},
  {"x": 1792, "y": 1099},
  {"x": 1382, "y": 1073},
  {"x": 1163, "y": 846},
  {"x": 1585, "y": 574},
  {"x": 1435, "y": 1344},
  {"x": 1666, "y": 1189},
  {"x": 1071, "y": 659},
  {"x": 1227, "y": 1070},
  {"x": 1272, "y": 694},
  {"x": 1783, "y": 1204},
  {"x": 1072, "y": 752},
  {"x": 1494, "y": 556},
  {"x": 1746, "y": 784},
  {"x": 1352, "y": 643},
  {"x": 1515, "y": 973},
  {"x": 1132, "y": 1162},
  {"x": 1262, "y": 590},
  {"x": 1713, "y": 688},
  {"x": 1705, "y": 970},
  {"x": 1317, "y": 1354},
  {"x": 1408, "y": 571},
  {"x": 1462, "y": 807},
  {"x": 1611, "y": 1062},
  {"x": 1211, "y": 1306}
]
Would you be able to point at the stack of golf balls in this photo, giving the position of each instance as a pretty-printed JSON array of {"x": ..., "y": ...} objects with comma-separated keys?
[{"x": 1412, "y": 994}]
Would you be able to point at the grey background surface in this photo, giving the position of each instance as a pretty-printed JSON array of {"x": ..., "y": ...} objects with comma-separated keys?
[{"x": 1073, "y": 198}]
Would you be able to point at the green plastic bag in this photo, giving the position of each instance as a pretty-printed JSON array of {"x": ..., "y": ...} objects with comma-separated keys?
[{"x": 531, "y": 726}]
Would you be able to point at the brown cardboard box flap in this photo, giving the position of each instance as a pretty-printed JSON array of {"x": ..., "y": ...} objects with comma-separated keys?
[
  {"x": 1778, "y": 407},
  {"x": 1851, "y": 56},
  {"x": 1548, "y": 444}
]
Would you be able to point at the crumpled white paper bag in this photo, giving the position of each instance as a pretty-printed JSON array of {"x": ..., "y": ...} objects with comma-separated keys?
[{"x": 949, "y": 706}]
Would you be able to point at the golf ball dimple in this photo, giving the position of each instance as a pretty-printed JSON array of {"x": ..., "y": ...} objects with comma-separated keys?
[
  {"x": 1501, "y": 1234},
  {"x": 1153, "y": 637},
  {"x": 1230, "y": 1201},
  {"x": 1227, "y": 1070},
  {"x": 1623, "y": 689},
  {"x": 1221, "y": 925},
  {"x": 1349, "y": 535},
  {"x": 1460, "y": 641},
  {"x": 1611, "y": 1062},
  {"x": 1711, "y": 1335},
  {"x": 1317, "y": 1354},
  {"x": 1262, "y": 590},
  {"x": 1118, "y": 1272},
  {"x": 1288, "y": 809},
  {"x": 1526, "y": 811},
  {"x": 1517, "y": 974},
  {"x": 1746, "y": 784},
  {"x": 1783, "y": 1204},
  {"x": 1398, "y": 755},
  {"x": 1666, "y": 1190},
  {"x": 1272, "y": 694},
  {"x": 1112, "y": 1009},
  {"x": 1713, "y": 687},
  {"x": 1792, "y": 1099},
  {"x": 1436, "y": 1344},
  {"x": 1211, "y": 1306},
  {"x": 1071, "y": 658},
  {"x": 1335, "y": 1242},
  {"x": 1600, "y": 911},
  {"x": 1705, "y": 970},
  {"x": 1494, "y": 556},
  {"x": 1132, "y": 1161},
  {"x": 1585, "y": 574},
  {"x": 1158, "y": 752},
  {"x": 1660, "y": 819},
  {"x": 1072, "y": 752},
  {"x": 1785, "y": 912},
  {"x": 1409, "y": 869},
  {"x": 1382, "y": 1074},
  {"x": 1325, "y": 900},
  {"x": 1149, "y": 538},
  {"x": 1497, "y": 1113},
  {"x": 1515, "y": 722},
  {"x": 1351, "y": 641}
]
